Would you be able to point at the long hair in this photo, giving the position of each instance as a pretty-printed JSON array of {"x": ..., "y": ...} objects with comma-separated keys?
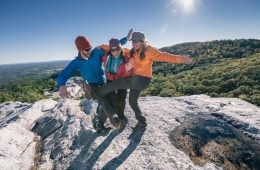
[{"x": 142, "y": 52}]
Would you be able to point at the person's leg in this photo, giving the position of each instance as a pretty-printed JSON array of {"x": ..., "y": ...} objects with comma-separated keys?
[
  {"x": 134, "y": 82},
  {"x": 112, "y": 98},
  {"x": 117, "y": 99},
  {"x": 133, "y": 101},
  {"x": 101, "y": 117},
  {"x": 110, "y": 111},
  {"x": 87, "y": 89},
  {"x": 121, "y": 102},
  {"x": 120, "y": 106}
]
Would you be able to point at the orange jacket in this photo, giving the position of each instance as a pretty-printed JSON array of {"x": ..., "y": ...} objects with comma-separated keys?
[{"x": 144, "y": 67}]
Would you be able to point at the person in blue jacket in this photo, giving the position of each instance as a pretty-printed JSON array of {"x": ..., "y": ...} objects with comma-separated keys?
[{"x": 89, "y": 64}]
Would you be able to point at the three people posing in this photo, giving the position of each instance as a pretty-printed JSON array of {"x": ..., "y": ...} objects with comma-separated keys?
[{"x": 136, "y": 74}]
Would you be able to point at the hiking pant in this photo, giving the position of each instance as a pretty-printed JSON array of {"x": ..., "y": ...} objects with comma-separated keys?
[
  {"x": 136, "y": 84},
  {"x": 101, "y": 112},
  {"x": 113, "y": 103},
  {"x": 117, "y": 99},
  {"x": 108, "y": 106}
]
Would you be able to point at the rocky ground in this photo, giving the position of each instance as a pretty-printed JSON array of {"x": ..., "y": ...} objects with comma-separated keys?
[{"x": 190, "y": 132}]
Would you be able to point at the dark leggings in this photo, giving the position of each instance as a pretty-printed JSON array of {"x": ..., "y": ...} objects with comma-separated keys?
[
  {"x": 113, "y": 103},
  {"x": 136, "y": 84},
  {"x": 117, "y": 99}
]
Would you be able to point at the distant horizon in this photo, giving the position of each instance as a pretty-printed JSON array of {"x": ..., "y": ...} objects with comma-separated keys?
[
  {"x": 47, "y": 61},
  {"x": 31, "y": 62}
]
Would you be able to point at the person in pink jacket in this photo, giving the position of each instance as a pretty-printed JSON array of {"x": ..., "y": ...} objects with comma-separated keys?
[{"x": 142, "y": 57}]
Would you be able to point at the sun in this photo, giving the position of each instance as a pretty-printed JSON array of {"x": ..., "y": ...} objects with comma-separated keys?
[
  {"x": 187, "y": 5},
  {"x": 183, "y": 7}
]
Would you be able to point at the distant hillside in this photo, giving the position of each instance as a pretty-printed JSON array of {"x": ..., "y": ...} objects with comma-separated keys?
[
  {"x": 28, "y": 82},
  {"x": 226, "y": 68},
  {"x": 10, "y": 73}
]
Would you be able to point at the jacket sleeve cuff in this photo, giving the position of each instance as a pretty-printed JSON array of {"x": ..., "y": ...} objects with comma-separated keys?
[{"x": 123, "y": 41}]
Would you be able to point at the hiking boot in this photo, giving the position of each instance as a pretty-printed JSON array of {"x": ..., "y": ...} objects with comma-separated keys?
[
  {"x": 124, "y": 121},
  {"x": 97, "y": 125},
  {"x": 117, "y": 122},
  {"x": 122, "y": 126},
  {"x": 101, "y": 128},
  {"x": 139, "y": 126}
]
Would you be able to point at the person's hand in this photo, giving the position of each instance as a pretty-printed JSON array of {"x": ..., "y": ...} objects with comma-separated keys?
[
  {"x": 187, "y": 59},
  {"x": 63, "y": 92},
  {"x": 129, "y": 66},
  {"x": 129, "y": 34}
]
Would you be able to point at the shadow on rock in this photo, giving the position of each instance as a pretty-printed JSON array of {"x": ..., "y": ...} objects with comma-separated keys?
[
  {"x": 88, "y": 156},
  {"x": 56, "y": 134},
  {"x": 206, "y": 138},
  {"x": 135, "y": 138}
]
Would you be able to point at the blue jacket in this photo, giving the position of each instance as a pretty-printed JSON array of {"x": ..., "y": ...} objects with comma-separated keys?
[{"x": 90, "y": 69}]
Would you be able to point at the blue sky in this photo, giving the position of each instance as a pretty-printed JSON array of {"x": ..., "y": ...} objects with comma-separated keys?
[{"x": 45, "y": 30}]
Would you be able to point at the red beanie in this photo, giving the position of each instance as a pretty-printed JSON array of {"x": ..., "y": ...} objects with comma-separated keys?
[{"x": 82, "y": 43}]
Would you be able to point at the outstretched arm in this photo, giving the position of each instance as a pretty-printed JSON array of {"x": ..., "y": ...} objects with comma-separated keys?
[
  {"x": 124, "y": 40},
  {"x": 129, "y": 34},
  {"x": 167, "y": 57}
]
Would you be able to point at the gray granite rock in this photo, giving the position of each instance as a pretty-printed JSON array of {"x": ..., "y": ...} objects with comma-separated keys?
[{"x": 59, "y": 135}]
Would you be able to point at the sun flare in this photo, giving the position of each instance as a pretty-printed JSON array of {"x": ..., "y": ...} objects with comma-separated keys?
[{"x": 187, "y": 5}]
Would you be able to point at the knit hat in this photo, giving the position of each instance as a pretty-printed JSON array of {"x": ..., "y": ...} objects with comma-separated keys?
[
  {"x": 82, "y": 43},
  {"x": 113, "y": 42},
  {"x": 137, "y": 36}
]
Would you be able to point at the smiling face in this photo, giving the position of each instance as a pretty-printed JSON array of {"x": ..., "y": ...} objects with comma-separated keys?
[
  {"x": 137, "y": 45},
  {"x": 116, "y": 51},
  {"x": 86, "y": 53}
]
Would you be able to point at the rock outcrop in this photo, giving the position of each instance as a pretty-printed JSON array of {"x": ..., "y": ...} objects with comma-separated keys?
[{"x": 59, "y": 135}]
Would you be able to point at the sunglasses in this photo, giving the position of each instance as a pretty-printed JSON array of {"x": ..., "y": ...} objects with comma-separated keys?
[
  {"x": 116, "y": 49},
  {"x": 87, "y": 50}
]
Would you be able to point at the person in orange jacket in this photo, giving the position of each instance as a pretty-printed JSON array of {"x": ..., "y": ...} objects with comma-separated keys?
[{"x": 142, "y": 57}]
